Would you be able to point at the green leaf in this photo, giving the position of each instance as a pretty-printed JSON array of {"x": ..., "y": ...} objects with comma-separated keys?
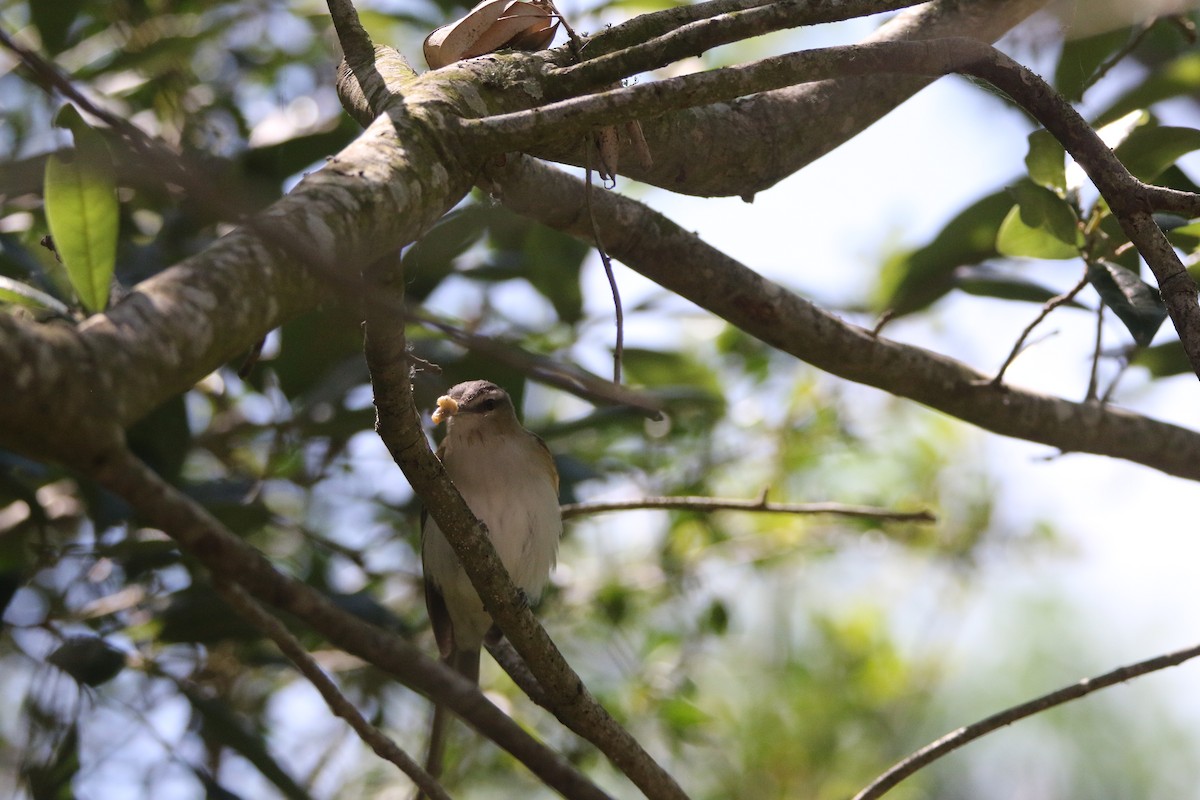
[
  {"x": 552, "y": 264},
  {"x": 983, "y": 281},
  {"x": 1164, "y": 360},
  {"x": 912, "y": 281},
  {"x": 1135, "y": 302},
  {"x": 1180, "y": 76},
  {"x": 1150, "y": 149},
  {"x": 162, "y": 438},
  {"x": 1186, "y": 237},
  {"x": 549, "y": 260},
  {"x": 23, "y": 294},
  {"x": 1040, "y": 225},
  {"x": 82, "y": 210},
  {"x": 1047, "y": 161},
  {"x": 1080, "y": 58}
]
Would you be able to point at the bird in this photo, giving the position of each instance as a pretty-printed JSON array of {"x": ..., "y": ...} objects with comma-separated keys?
[{"x": 508, "y": 479}]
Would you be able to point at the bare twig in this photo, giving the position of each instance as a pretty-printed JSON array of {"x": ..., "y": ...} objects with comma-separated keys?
[
  {"x": 956, "y": 739},
  {"x": 1050, "y": 305},
  {"x": 162, "y": 159},
  {"x": 567, "y": 377},
  {"x": 338, "y": 703},
  {"x": 512, "y": 663},
  {"x": 708, "y": 504},
  {"x": 1138, "y": 35},
  {"x": 619, "y": 347},
  {"x": 51, "y": 80},
  {"x": 1097, "y": 349}
]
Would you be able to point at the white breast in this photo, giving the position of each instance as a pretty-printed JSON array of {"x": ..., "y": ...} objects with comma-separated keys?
[{"x": 518, "y": 505}]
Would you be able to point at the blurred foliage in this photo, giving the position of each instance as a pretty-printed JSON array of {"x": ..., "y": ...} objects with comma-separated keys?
[
  {"x": 1053, "y": 214},
  {"x": 743, "y": 647}
]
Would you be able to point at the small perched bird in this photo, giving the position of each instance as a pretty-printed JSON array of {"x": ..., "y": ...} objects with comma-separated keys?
[{"x": 507, "y": 477}]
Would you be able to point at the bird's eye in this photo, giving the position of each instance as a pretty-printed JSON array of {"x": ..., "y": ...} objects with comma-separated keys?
[{"x": 489, "y": 404}]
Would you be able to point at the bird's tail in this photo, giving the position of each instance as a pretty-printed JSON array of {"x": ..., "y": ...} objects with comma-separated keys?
[{"x": 465, "y": 663}]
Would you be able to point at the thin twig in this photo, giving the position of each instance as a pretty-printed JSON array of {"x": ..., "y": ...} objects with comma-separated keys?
[
  {"x": 1116, "y": 57},
  {"x": 683, "y": 38},
  {"x": 1094, "y": 377},
  {"x": 338, "y": 703},
  {"x": 619, "y": 347},
  {"x": 568, "y": 377},
  {"x": 50, "y": 79},
  {"x": 1050, "y": 305},
  {"x": 761, "y": 504},
  {"x": 956, "y": 739}
]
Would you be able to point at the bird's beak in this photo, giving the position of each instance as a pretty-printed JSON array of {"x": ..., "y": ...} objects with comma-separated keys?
[{"x": 447, "y": 406}]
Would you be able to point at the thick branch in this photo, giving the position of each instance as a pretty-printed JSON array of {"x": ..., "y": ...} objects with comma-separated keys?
[
  {"x": 956, "y": 739},
  {"x": 679, "y": 261},
  {"x": 398, "y": 424},
  {"x": 1127, "y": 196},
  {"x": 231, "y": 559},
  {"x": 765, "y": 138},
  {"x": 695, "y": 38}
]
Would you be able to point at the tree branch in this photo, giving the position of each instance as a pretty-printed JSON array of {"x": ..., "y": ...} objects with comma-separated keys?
[
  {"x": 694, "y": 38},
  {"x": 376, "y": 739},
  {"x": 681, "y": 262},
  {"x": 708, "y": 504},
  {"x": 229, "y": 558},
  {"x": 1126, "y": 195},
  {"x": 772, "y": 135},
  {"x": 398, "y": 424},
  {"x": 543, "y": 369},
  {"x": 956, "y": 739}
]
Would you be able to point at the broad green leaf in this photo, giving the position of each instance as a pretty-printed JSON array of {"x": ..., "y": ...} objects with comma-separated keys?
[
  {"x": 913, "y": 280},
  {"x": 82, "y": 210},
  {"x": 162, "y": 438},
  {"x": 1180, "y": 76},
  {"x": 1163, "y": 360},
  {"x": 552, "y": 264},
  {"x": 1080, "y": 58},
  {"x": 1186, "y": 237},
  {"x": 431, "y": 259},
  {"x": 1047, "y": 161},
  {"x": 23, "y": 294},
  {"x": 983, "y": 281},
  {"x": 1150, "y": 149},
  {"x": 1040, "y": 225},
  {"x": 549, "y": 260},
  {"x": 1135, "y": 302}
]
